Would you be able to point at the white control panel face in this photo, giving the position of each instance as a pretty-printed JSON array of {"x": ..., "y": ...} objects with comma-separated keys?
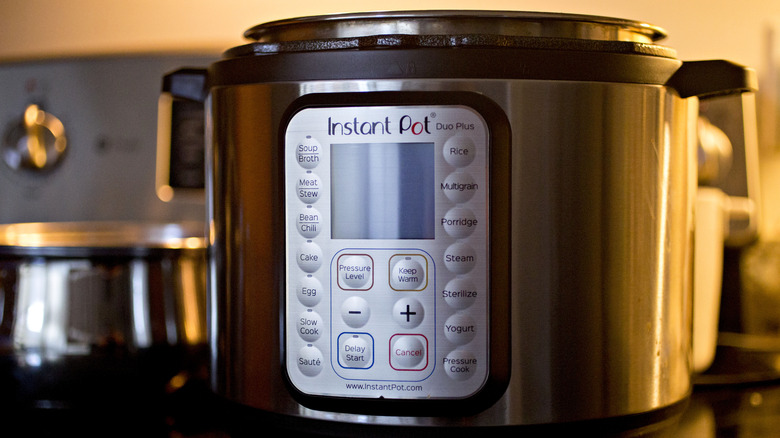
[{"x": 387, "y": 252}]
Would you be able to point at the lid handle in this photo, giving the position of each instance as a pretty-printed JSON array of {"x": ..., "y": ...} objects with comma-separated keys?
[{"x": 712, "y": 78}]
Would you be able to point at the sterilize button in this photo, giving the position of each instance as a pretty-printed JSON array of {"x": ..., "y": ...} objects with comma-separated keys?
[
  {"x": 309, "y": 291},
  {"x": 310, "y": 325},
  {"x": 309, "y": 256},
  {"x": 355, "y": 271},
  {"x": 460, "y": 293},
  {"x": 460, "y": 258},
  {"x": 310, "y": 360},
  {"x": 460, "y": 329},
  {"x": 460, "y": 365},
  {"x": 308, "y": 152},
  {"x": 459, "y": 151},
  {"x": 459, "y": 222},
  {"x": 308, "y": 187},
  {"x": 408, "y": 272},
  {"x": 356, "y": 350},
  {"x": 309, "y": 222},
  {"x": 408, "y": 352},
  {"x": 459, "y": 187},
  {"x": 355, "y": 312},
  {"x": 408, "y": 312}
]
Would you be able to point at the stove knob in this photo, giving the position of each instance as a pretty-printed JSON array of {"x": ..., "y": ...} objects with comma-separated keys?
[{"x": 37, "y": 143}]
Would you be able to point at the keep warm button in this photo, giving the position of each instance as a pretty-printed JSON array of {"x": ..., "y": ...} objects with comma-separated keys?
[{"x": 408, "y": 352}]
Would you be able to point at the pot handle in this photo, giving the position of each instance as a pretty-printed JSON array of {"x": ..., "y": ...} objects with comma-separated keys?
[
  {"x": 712, "y": 78},
  {"x": 180, "y": 136}
]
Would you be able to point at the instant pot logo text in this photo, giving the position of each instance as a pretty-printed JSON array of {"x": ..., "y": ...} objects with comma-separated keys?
[{"x": 404, "y": 125}]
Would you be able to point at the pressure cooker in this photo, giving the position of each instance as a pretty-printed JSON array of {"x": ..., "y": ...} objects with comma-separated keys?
[{"x": 446, "y": 220}]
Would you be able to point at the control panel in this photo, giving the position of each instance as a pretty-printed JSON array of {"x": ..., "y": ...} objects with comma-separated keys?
[{"x": 387, "y": 251}]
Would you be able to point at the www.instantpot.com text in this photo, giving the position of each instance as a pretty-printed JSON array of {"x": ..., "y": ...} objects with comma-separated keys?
[{"x": 384, "y": 387}]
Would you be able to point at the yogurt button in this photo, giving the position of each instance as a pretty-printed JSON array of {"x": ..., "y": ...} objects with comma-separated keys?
[
  {"x": 309, "y": 291},
  {"x": 460, "y": 329},
  {"x": 309, "y": 222},
  {"x": 407, "y": 273},
  {"x": 459, "y": 222},
  {"x": 310, "y": 360},
  {"x": 355, "y": 312},
  {"x": 460, "y": 293},
  {"x": 310, "y": 325},
  {"x": 460, "y": 258},
  {"x": 459, "y": 187},
  {"x": 308, "y": 187},
  {"x": 459, "y": 365},
  {"x": 459, "y": 151},
  {"x": 309, "y": 256},
  {"x": 308, "y": 152}
]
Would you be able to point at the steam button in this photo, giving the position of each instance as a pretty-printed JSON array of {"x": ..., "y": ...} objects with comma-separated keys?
[{"x": 460, "y": 258}]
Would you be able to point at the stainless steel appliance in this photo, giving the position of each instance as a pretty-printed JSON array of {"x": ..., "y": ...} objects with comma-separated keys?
[{"x": 453, "y": 220}]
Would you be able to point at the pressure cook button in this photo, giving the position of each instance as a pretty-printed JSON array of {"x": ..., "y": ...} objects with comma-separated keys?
[
  {"x": 459, "y": 222},
  {"x": 460, "y": 258},
  {"x": 308, "y": 187},
  {"x": 308, "y": 152},
  {"x": 309, "y": 257},
  {"x": 355, "y": 312},
  {"x": 460, "y": 329},
  {"x": 310, "y": 325},
  {"x": 309, "y": 222},
  {"x": 459, "y": 151},
  {"x": 408, "y": 272},
  {"x": 408, "y": 312},
  {"x": 309, "y": 291},
  {"x": 408, "y": 352},
  {"x": 356, "y": 350},
  {"x": 355, "y": 271},
  {"x": 459, "y": 187},
  {"x": 310, "y": 361},
  {"x": 460, "y": 293},
  {"x": 459, "y": 365}
]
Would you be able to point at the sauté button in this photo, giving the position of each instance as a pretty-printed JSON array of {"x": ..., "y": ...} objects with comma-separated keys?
[{"x": 310, "y": 360}]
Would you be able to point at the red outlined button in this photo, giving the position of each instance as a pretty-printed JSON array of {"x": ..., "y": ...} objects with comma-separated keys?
[{"x": 408, "y": 352}]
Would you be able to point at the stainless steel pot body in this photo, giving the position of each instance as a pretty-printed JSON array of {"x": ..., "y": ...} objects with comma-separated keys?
[
  {"x": 601, "y": 192},
  {"x": 100, "y": 319}
]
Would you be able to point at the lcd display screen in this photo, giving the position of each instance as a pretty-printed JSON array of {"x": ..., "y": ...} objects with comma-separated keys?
[{"x": 382, "y": 191}]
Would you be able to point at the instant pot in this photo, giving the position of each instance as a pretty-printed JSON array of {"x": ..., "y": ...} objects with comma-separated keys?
[{"x": 446, "y": 220}]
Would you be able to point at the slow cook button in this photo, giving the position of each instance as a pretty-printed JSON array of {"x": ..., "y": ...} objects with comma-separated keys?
[
  {"x": 309, "y": 222},
  {"x": 459, "y": 222},
  {"x": 460, "y": 258},
  {"x": 459, "y": 151},
  {"x": 459, "y": 187},
  {"x": 408, "y": 352},
  {"x": 459, "y": 365},
  {"x": 308, "y": 187},
  {"x": 309, "y": 257},
  {"x": 307, "y": 152},
  {"x": 310, "y": 325},
  {"x": 310, "y": 361},
  {"x": 460, "y": 329}
]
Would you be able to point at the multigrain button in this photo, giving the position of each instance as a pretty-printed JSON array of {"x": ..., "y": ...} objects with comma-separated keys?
[
  {"x": 460, "y": 258},
  {"x": 408, "y": 352},
  {"x": 310, "y": 360},
  {"x": 308, "y": 152},
  {"x": 459, "y": 222},
  {"x": 308, "y": 187},
  {"x": 459, "y": 151},
  {"x": 459, "y": 187}
]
